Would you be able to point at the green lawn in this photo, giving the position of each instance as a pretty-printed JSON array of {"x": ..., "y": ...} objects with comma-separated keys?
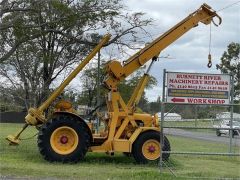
[
  {"x": 25, "y": 161},
  {"x": 196, "y": 123}
]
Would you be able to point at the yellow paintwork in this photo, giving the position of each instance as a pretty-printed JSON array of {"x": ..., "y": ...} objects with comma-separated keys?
[
  {"x": 63, "y": 105},
  {"x": 14, "y": 139},
  {"x": 122, "y": 119},
  {"x": 105, "y": 147},
  {"x": 36, "y": 115},
  {"x": 108, "y": 145},
  {"x": 137, "y": 93},
  {"x": 204, "y": 14},
  {"x": 138, "y": 131},
  {"x": 71, "y": 140},
  {"x": 121, "y": 145},
  {"x": 124, "y": 125},
  {"x": 151, "y": 149},
  {"x": 156, "y": 120}
]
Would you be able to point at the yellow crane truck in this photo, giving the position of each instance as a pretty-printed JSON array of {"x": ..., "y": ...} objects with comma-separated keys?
[{"x": 66, "y": 137}]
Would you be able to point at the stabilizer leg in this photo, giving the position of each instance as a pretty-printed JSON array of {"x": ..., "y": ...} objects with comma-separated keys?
[{"x": 14, "y": 139}]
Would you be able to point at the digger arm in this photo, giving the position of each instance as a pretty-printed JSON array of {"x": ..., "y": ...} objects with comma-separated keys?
[{"x": 117, "y": 72}]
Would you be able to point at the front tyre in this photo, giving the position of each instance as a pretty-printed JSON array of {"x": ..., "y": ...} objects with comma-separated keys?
[
  {"x": 147, "y": 147},
  {"x": 63, "y": 139}
]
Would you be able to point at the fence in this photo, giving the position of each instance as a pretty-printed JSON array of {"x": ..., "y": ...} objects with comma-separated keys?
[
  {"x": 201, "y": 133},
  {"x": 12, "y": 117}
]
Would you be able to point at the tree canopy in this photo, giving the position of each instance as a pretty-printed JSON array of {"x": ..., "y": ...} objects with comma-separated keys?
[
  {"x": 88, "y": 94},
  {"x": 41, "y": 40},
  {"x": 230, "y": 63}
]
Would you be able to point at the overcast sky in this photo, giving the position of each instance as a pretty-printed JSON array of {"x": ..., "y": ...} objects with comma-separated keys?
[{"x": 190, "y": 52}]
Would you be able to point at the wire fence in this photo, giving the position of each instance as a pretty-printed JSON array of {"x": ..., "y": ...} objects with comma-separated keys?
[
  {"x": 202, "y": 137},
  {"x": 200, "y": 141}
]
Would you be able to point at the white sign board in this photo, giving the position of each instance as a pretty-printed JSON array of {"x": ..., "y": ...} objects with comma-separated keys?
[{"x": 195, "y": 88}]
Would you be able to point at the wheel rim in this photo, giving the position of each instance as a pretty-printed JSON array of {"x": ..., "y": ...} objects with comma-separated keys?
[
  {"x": 64, "y": 140},
  {"x": 151, "y": 149}
]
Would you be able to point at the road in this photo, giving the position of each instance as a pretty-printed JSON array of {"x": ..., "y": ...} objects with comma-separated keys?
[{"x": 203, "y": 136}]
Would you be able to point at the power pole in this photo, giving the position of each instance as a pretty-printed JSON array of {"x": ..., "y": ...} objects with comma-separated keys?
[{"x": 98, "y": 87}]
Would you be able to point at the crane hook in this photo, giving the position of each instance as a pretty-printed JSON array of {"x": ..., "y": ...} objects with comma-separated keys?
[
  {"x": 219, "y": 20},
  {"x": 209, "y": 65}
]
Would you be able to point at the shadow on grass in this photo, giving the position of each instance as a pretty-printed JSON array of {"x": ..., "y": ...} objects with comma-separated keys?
[
  {"x": 104, "y": 158},
  {"x": 101, "y": 158}
]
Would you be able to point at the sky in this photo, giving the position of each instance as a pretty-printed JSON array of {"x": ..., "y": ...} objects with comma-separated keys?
[{"x": 190, "y": 52}]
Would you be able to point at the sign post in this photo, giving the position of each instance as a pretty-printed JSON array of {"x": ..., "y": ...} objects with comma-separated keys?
[{"x": 162, "y": 119}]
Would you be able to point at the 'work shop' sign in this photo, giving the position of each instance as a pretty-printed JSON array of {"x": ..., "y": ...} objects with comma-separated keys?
[{"x": 194, "y": 88}]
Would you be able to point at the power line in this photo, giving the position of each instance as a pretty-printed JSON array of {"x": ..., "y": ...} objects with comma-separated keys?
[{"x": 228, "y": 6}]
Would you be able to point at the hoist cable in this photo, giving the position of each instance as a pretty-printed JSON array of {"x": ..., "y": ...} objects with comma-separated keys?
[
  {"x": 209, "y": 48},
  {"x": 210, "y": 39},
  {"x": 210, "y": 34}
]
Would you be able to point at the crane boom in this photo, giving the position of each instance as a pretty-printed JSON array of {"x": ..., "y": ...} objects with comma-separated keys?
[
  {"x": 117, "y": 72},
  {"x": 64, "y": 136}
]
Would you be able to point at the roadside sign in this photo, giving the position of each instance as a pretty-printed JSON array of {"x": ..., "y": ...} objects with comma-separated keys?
[{"x": 196, "y": 88}]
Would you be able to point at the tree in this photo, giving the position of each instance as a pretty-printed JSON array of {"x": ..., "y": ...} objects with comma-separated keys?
[
  {"x": 10, "y": 101},
  {"x": 155, "y": 107},
  {"x": 230, "y": 63},
  {"x": 88, "y": 92},
  {"x": 88, "y": 96},
  {"x": 40, "y": 40}
]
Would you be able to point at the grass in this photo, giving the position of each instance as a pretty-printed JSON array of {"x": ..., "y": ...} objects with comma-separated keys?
[
  {"x": 25, "y": 161},
  {"x": 197, "y": 123}
]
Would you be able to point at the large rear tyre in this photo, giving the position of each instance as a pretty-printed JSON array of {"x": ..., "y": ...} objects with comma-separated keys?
[
  {"x": 147, "y": 147},
  {"x": 63, "y": 139}
]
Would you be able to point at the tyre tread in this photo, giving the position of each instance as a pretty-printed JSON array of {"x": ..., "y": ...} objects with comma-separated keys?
[
  {"x": 137, "y": 146},
  {"x": 44, "y": 137}
]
